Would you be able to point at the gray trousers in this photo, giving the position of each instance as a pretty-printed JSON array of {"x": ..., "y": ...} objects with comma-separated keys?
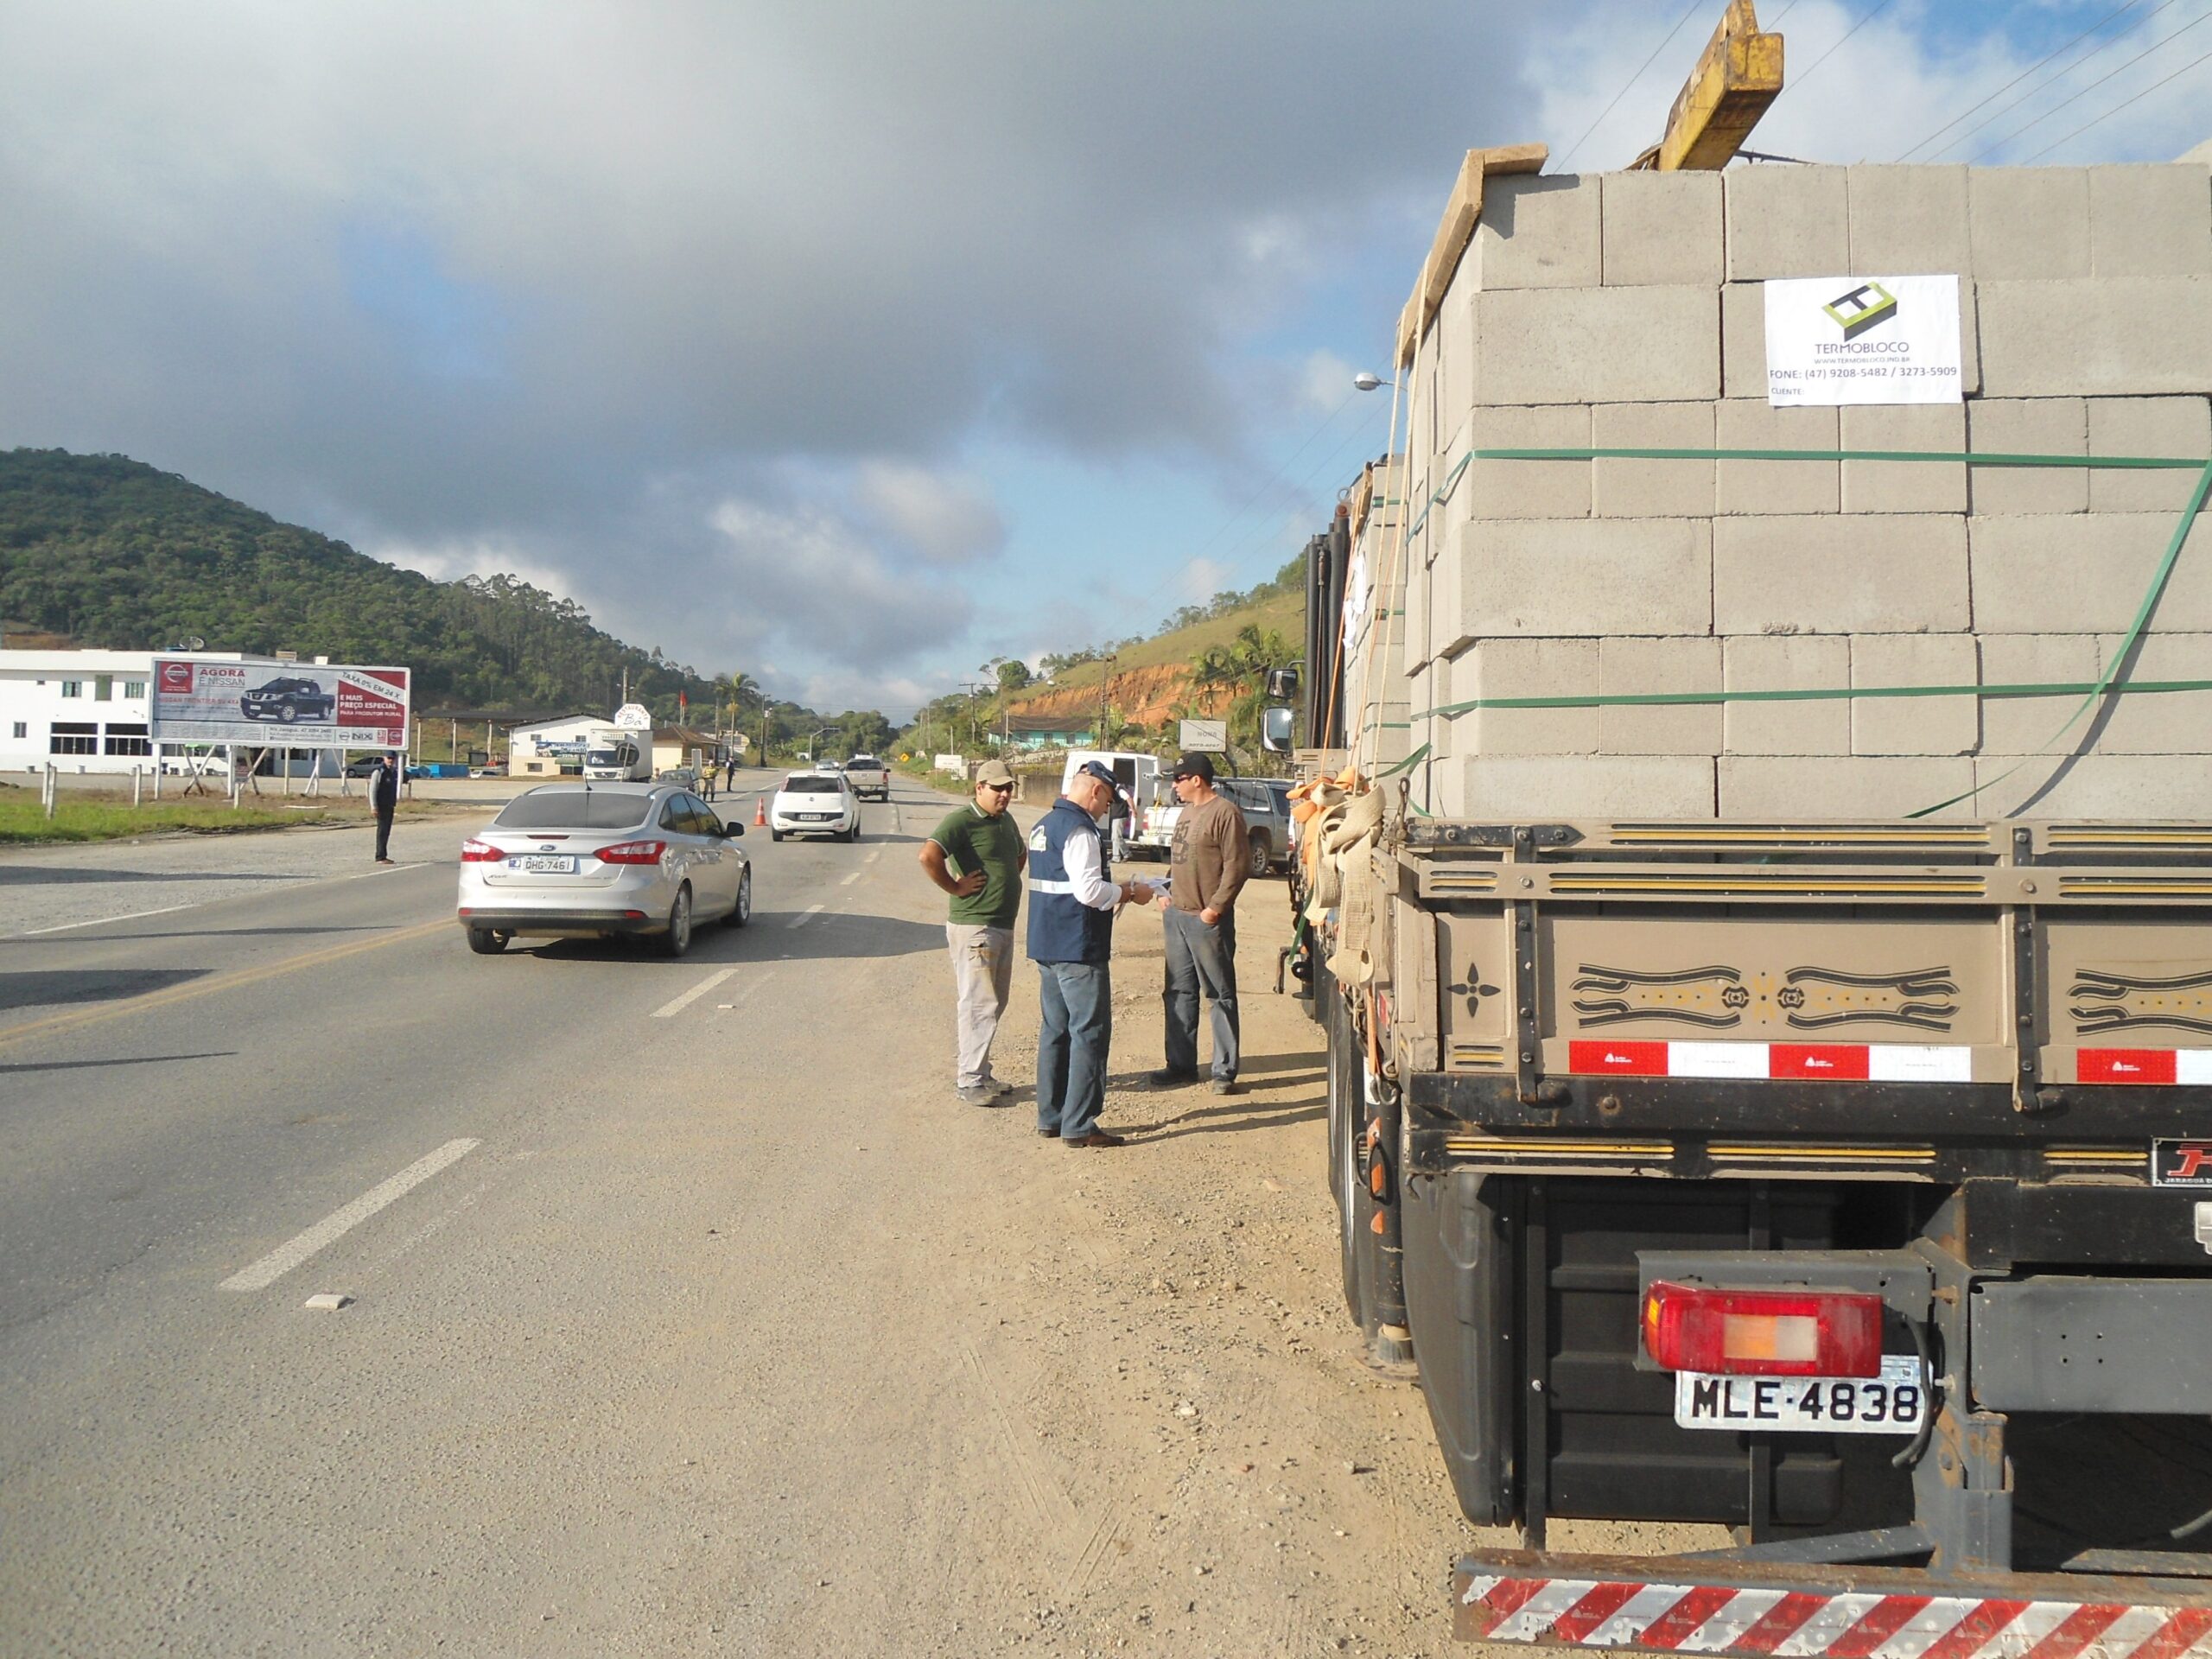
[
  {"x": 983, "y": 975},
  {"x": 1201, "y": 957}
]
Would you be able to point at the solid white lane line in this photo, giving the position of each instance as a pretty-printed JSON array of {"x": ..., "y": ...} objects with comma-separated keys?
[
  {"x": 288, "y": 1255},
  {"x": 692, "y": 995},
  {"x": 128, "y": 916},
  {"x": 850, "y": 879},
  {"x": 804, "y": 916}
]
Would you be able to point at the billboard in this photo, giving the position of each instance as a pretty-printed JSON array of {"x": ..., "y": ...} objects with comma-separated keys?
[
  {"x": 294, "y": 705},
  {"x": 1204, "y": 736}
]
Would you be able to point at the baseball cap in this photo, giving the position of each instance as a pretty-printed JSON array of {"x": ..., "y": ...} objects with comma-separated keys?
[
  {"x": 995, "y": 771},
  {"x": 1194, "y": 765},
  {"x": 1097, "y": 769}
]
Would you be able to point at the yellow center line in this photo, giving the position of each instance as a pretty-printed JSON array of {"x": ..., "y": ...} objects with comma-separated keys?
[{"x": 213, "y": 984}]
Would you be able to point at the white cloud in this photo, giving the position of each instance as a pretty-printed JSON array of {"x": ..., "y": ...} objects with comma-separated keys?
[
  {"x": 948, "y": 521},
  {"x": 1895, "y": 80},
  {"x": 1323, "y": 382},
  {"x": 1201, "y": 580}
]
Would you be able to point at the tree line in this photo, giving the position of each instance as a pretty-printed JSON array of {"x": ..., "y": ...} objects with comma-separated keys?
[{"x": 116, "y": 554}]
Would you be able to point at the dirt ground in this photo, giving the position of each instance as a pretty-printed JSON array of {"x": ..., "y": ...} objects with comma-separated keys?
[{"x": 1243, "y": 1483}]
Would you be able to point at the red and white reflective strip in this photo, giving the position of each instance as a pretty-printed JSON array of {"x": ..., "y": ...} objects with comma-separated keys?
[
  {"x": 1800, "y": 1624},
  {"x": 2191, "y": 1065},
  {"x": 1824, "y": 1062}
]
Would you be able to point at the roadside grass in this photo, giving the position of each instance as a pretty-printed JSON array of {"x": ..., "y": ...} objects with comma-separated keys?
[{"x": 102, "y": 818}]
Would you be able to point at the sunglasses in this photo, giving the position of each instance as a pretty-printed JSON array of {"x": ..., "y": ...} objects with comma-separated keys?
[{"x": 1000, "y": 788}]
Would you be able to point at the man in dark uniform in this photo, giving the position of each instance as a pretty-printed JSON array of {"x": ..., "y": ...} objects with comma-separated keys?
[
  {"x": 1071, "y": 906},
  {"x": 383, "y": 795}
]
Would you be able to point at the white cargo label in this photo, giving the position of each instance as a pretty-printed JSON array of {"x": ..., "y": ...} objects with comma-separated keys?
[{"x": 1863, "y": 340}]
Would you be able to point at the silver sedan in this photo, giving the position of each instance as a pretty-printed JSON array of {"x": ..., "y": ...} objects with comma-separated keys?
[{"x": 574, "y": 860}]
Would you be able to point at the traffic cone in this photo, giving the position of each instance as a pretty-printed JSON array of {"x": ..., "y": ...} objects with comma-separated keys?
[{"x": 761, "y": 812}]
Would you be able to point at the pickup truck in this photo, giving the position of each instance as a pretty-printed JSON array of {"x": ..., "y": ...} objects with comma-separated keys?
[{"x": 869, "y": 777}]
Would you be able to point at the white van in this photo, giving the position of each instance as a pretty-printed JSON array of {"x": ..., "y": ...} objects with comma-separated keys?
[
  {"x": 1134, "y": 774},
  {"x": 618, "y": 754}
]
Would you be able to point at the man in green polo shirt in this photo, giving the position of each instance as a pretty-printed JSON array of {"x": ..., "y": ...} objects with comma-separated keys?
[{"x": 978, "y": 855}]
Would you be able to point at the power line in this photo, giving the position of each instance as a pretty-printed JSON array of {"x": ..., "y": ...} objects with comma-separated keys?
[
  {"x": 1873, "y": 11},
  {"x": 1280, "y": 476},
  {"x": 2023, "y": 75},
  {"x": 2124, "y": 102},
  {"x": 2159, "y": 46},
  {"x": 1687, "y": 12},
  {"x": 2103, "y": 46}
]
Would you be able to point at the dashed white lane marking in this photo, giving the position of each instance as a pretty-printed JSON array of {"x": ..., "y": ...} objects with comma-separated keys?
[
  {"x": 288, "y": 1255},
  {"x": 171, "y": 910},
  {"x": 804, "y": 916},
  {"x": 751, "y": 985},
  {"x": 101, "y": 921},
  {"x": 850, "y": 879},
  {"x": 873, "y": 856},
  {"x": 677, "y": 1006}
]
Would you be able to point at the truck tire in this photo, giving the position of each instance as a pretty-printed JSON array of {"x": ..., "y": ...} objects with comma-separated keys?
[
  {"x": 287, "y": 712},
  {"x": 1263, "y": 852},
  {"x": 1355, "y": 1204}
]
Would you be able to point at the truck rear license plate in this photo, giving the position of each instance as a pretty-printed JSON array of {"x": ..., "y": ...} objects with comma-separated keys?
[
  {"x": 1893, "y": 1404},
  {"x": 545, "y": 863}
]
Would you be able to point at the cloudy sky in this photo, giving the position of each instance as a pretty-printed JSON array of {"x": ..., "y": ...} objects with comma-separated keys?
[{"x": 849, "y": 344}]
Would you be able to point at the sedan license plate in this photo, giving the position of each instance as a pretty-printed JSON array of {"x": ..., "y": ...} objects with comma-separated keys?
[
  {"x": 544, "y": 863},
  {"x": 1896, "y": 1402}
]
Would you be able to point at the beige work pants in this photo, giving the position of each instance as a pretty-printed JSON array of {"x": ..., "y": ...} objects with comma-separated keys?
[{"x": 983, "y": 975}]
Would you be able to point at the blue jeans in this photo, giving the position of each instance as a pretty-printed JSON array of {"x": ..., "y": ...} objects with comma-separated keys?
[
  {"x": 1199, "y": 957},
  {"x": 1077, "y": 1003}
]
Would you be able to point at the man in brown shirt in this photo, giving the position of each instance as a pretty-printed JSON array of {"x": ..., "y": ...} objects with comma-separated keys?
[{"x": 1208, "y": 864}]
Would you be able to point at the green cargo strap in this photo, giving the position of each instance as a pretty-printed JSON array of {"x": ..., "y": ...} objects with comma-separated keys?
[
  {"x": 1811, "y": 694},
  {"x": 1953, "y": 457},
  {"x": 2103, "y": 684},
  {"x": 2134, "y": 635}
]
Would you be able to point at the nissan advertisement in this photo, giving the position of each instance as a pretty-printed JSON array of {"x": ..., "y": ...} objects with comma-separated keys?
[{"x": 292, "y": 705}]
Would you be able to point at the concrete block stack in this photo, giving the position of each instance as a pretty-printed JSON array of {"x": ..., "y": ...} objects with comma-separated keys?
[{"x": 1627, "y": 310}]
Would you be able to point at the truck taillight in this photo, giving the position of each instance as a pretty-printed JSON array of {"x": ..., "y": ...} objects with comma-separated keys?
[
  {"x": 632, "y": 852},
  {"x": 1762, "y": 1332},
  {"x": 473, "y": 851}
]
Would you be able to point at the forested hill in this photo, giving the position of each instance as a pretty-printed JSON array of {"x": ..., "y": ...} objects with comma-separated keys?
[{"x": 114, "y": 554}]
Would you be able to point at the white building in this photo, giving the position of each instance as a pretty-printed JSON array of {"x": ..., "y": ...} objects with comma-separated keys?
[
  {"x": 542, "y": 748},
  {"x": 84, "y": 710}
]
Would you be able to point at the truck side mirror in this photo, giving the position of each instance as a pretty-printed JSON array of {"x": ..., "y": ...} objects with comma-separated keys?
[
  {"x": 1282, "y": 683},
  {"x": 1277, "y": 728}
]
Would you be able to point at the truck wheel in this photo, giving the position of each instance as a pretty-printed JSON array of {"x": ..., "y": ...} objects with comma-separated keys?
[
  {"x": 1261, "y": 852},
  {"x": 287, "y": 712},
  {"x": 1355, "y": 1204},
  {"x": 678, "y": 939},
  {"x": 485, "y": 942}
]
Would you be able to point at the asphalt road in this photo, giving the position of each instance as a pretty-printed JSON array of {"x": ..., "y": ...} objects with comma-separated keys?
[
  {"x": 187, "y": 1087},
  {"x": 690, "y": 1312}
]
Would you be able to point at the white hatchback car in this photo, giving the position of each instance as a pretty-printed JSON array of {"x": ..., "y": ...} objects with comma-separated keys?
[
  {"x": 574, "y": 860},
  {"x": 816, "y": 803}
]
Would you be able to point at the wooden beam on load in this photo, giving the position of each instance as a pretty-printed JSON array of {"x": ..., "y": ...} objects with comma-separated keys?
[
  {"x": 1739, "y": 75},
  {"x": 1457, "y": 230}
]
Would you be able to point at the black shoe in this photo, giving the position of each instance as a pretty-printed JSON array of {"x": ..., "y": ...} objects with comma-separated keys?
[
  {"x": 1169, "y": 1079},
  {"x": 1098, "y": 1138}
]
